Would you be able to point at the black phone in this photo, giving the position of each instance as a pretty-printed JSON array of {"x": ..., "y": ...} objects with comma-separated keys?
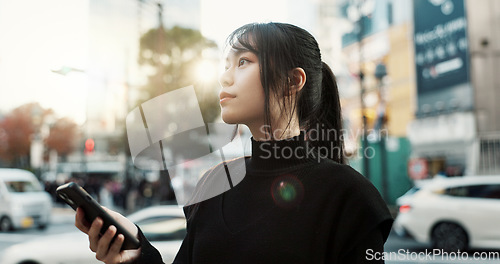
[{"x": 75, "y": 196}]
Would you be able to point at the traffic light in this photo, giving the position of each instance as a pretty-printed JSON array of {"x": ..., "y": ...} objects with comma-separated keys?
[{"x": 89, "y": 146}]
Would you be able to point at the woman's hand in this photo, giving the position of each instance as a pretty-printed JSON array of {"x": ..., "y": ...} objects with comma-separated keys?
[{"x": 106, "y": 252}]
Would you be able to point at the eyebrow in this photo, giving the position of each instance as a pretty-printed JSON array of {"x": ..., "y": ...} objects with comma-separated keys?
[{"x": 236, "y": 52}]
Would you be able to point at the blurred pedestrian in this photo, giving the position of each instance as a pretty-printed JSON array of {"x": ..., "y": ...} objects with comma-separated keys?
[{"x": 298, "y": 202}]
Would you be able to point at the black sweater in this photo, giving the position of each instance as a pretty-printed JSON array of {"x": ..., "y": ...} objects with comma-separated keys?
[{"x": 287, "y": 209}]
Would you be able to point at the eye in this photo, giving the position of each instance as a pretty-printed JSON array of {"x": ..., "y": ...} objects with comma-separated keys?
[{"x": 242, "y": 62}]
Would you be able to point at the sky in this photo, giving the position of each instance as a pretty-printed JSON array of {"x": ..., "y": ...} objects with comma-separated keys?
[
  {"x": 37, "y": 36},
  {"x": 221, "y": 17},
  {"x": 101, "y": 39}
]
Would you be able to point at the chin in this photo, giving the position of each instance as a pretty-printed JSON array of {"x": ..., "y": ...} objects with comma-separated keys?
[
  {"x": 229, "y": 119},
  {"x": 232, "y": 117}
]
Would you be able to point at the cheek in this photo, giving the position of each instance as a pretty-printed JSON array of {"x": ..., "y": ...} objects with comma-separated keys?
[{"x": 248, "y": 106}]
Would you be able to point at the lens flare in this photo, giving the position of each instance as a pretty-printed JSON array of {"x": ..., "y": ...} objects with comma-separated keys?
[{"x": 287, "y": 191}]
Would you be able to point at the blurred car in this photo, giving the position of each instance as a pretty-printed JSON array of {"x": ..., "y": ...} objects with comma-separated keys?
[
  {"x": 452, "y": 213},
  {"x": 164, "y": 226},
  {"x": 23, "y": 201}
]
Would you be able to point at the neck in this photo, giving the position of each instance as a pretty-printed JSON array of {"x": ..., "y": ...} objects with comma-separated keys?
[{"x": 280, "y": 131}]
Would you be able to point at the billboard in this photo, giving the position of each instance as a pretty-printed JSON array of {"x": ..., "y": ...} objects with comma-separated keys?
[{"x": 441, "y": 57}]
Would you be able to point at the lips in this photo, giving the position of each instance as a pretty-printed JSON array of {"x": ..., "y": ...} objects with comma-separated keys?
[{"x": 223, "y": 96}]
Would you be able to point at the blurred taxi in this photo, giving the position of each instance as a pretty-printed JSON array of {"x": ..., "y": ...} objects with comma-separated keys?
[
  {"x": 452, "y": 213},
  {"x": 164, "y": 226}
]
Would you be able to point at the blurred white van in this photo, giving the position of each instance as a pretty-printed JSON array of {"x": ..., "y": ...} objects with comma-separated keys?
[{"x": 23, "y": 201}]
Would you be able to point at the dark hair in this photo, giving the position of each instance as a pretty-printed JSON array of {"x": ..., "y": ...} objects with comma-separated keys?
[{"x": 281, "y": 48}]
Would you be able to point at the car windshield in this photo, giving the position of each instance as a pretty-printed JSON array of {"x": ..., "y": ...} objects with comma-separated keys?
[
  {"x": 412, "y": 191},
  {"x": 23, "y": 186},
  {"x": 163, "y": 228}
]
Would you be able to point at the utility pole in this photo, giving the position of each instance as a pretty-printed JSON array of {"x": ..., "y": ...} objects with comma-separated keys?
[
  {"x": 380, "y": 73},
  {"x": 164, "y": 175},
  {"x": 126, "y": 148},
  {"x": 364, "y": 140},
  {"x": 160, "y": 50},
  {"x": 160, "y": 15}
]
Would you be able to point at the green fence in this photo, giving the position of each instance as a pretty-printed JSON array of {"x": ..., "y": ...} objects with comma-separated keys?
[{"x": 397, "y": 152}]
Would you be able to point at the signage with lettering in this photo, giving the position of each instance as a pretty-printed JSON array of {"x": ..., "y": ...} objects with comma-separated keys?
[{"x": 441, "y": 56}]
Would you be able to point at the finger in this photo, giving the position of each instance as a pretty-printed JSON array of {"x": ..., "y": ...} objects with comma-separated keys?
[
  {"x": 80, "y": 221},
  {"x": 131, "y": 227},
  {"x": 103, "y": 247},
  {"x": 114, "y": 250},
  {"x": 93, "y": 233}
]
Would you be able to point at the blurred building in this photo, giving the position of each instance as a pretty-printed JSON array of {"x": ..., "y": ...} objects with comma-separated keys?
[
  {"x": 484, "y": 49},
  {"x": 457, "y": 130},
  {"x": 439, "y": 88},
  {"x": 114, "y": 77},
  {"x": 378, "y": 83}
]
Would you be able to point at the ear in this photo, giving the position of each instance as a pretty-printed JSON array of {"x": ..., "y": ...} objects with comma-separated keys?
[{"x": 297, "y": 80}]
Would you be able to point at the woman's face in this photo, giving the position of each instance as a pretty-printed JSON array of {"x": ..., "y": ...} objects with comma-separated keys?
[{"x": 242, "y": 95}]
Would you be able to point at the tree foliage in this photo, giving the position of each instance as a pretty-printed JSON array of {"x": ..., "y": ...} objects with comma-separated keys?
[
  {"x": 18, "y": 128},
  {"x": 62, "y": 136},
  {"x": 173, "y": 55}
]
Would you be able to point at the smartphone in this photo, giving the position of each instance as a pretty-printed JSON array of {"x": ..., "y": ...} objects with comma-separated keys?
[{"x": 75, "y": 196}]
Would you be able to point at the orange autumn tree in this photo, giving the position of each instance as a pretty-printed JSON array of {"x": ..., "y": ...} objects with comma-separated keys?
[
  {"x": 62, "y": 137},
  {"x": 19, "y": 126},
  {"x": 17, "y": 129}
]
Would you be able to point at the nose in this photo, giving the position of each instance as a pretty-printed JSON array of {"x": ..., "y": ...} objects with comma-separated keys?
[{"x": 226, "y": 78}]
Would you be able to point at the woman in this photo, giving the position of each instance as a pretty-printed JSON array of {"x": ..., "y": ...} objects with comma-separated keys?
[{"x": 298, "y": 202}]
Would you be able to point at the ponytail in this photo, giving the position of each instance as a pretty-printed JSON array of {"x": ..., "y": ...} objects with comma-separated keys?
[
  {"x": 280, "y": 49},
  {"x": 325, "y": 125}
]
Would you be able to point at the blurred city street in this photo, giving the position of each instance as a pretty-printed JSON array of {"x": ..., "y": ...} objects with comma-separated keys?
[
  {"x": 85, "y": 97},
  {"x": 62, "y": 221},
  {"x": 405, "y": 250},
  {"x": 63, "y": 217}
]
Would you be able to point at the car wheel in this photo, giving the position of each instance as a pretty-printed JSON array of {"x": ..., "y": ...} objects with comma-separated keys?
[
  {"x": 5, "y": 224},
  {"x": 449, "y": 237},
  {"x": 42, "y": 227}
]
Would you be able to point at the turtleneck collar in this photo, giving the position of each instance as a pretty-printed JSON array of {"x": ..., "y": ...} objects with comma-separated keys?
[{"x": 279, "y": 154}]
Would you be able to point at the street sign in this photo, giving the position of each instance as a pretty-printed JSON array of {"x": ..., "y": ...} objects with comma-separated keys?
[{"x": 418, "y": 169}]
